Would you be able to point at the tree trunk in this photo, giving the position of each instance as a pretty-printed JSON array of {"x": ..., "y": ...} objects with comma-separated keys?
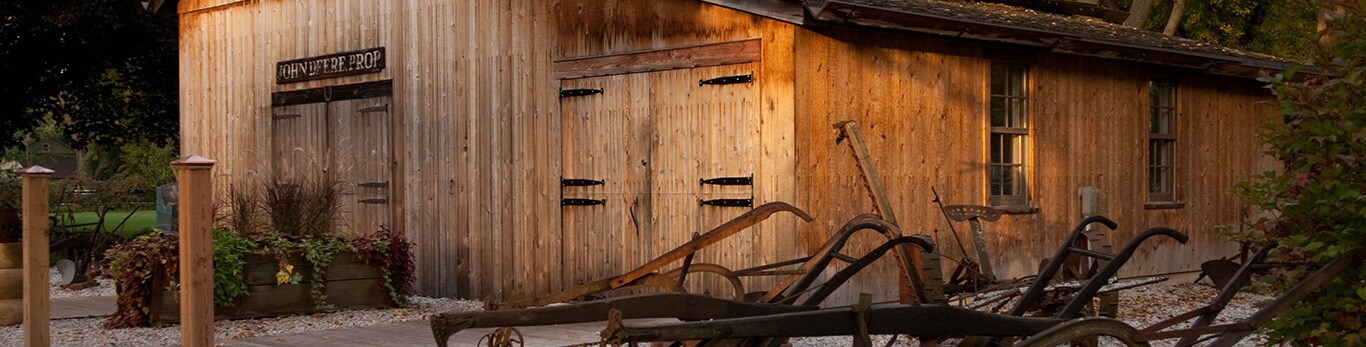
[
  {"x": 1325, "y": 32},
  {"x": 1138, "y": 13},
  {"x": 1173, "y": 21}
]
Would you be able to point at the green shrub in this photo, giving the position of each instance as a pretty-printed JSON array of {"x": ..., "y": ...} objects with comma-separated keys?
[
  {"x": 229, "y": 259},
  {"x": 1316, "y": 206}
]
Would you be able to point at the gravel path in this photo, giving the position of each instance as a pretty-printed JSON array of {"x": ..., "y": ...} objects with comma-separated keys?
[{"x": 1139, "y": 307}]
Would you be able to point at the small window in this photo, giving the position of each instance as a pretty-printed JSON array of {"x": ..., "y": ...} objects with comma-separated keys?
[
  {"x": 1007, "y": 172},
  {"x": 1161, "y": 141}
]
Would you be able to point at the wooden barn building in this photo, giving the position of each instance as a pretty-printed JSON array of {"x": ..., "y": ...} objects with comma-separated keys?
[{"x": 457, "y": 122}]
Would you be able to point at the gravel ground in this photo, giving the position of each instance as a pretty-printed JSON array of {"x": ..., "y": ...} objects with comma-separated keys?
[
  {"x": 106, "y": 287},
  {"x": 88, "y": 331},
  {"x": 1139, "y": 307}
]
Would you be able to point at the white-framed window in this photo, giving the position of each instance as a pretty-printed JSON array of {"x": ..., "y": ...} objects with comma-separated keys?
[
  {"x": 1008, "y": 173},
  {"x": 1162, "y": 124}
]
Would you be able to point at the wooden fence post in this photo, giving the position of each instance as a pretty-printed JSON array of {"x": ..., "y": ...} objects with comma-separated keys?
[
  {"x": 195, "y": 180},
  {"x": 37, "y": 308}
]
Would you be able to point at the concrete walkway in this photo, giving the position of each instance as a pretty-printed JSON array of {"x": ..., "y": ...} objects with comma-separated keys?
[
  {"x": 87, "y": 307},
  {"x": 407, "y": 333},
  {"x": 419, "y": 333}
]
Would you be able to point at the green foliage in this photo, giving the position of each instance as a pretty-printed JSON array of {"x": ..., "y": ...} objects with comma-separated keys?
[
  {"x": 106, "y": 69},
  {"x": 229, "y": 261},
  {"x": 148, "y": 161},
  {"x": 11, "y": 189},
  {"x": 137, "y": 261},
  {"x": 1316, "y": 206},
  {"x": 1284, "y": 28},
  {"x": 133, "y": 265},
  {"x": 319, "y": 251},
  {"x": 394, "y": 254}
]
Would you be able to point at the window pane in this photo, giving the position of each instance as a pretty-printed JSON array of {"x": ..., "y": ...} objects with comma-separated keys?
[
  {"x": 998, "y": 112},
  {"x": 1166, "y": 94},
  {"x": 1168, "y": 121},
  {"x": 1018, "y": 114},
  {"x": 996, "y": 140},
  {"x": 1166, "y": 150},
  {"x": 998, "y": 79},
  {"x": 1019, "y": 181},
  {"x": 1007, "y": 149},
  {"x": 1154, "y": 175},
  {"x": 1152, "y": 153},
  {"x": 995, "y": 180},
  {"x": 1153, "y": 115},
  {"x": 1016, "y": 81}
]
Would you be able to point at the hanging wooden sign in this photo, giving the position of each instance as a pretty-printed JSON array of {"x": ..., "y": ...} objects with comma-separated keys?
[{"x": 331, "y": 65}]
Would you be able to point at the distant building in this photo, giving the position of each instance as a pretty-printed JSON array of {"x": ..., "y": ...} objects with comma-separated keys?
[{"x": 54, "y": 154}]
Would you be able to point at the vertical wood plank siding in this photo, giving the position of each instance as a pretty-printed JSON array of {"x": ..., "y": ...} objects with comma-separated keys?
[
  {"x": 475, "y": 178},
  {"x": 921, "y": 102},
  {"x": 476, "y": 130}
]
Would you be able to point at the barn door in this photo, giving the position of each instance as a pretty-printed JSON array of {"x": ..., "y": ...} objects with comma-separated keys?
[
  {"x": 359, "y": 138},
  {"x": 653, "y": 139},
  {"x": 605, "y": 128},
  {"x": 706, "y": 124},
  {"x": 345, "y": 142}
]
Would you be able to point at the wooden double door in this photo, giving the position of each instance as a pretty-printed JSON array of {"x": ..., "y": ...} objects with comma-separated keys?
[
  {"x": 650, "y": 159},
  {"x": 346, "y": 143}
]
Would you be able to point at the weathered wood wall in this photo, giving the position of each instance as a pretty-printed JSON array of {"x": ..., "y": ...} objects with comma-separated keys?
[
  {"x": 472, "y": 97},
  {"x": 921, "y": 103}
]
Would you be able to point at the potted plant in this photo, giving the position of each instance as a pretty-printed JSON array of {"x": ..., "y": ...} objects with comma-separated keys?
[{"x": 275, "y": 253}]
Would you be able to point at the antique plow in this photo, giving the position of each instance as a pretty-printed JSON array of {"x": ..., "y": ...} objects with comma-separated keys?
[
  {"x": 799, "y": 282},
  {"x": 646, "y": 275},
  {"x": 1201, "y": 329},
  {"x": 910, "y": 319}
]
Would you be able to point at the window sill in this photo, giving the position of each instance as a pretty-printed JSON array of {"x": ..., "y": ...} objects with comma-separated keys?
[
  {"x": 1017, "y": 209},
  {"x": 1167, "y": 205}
]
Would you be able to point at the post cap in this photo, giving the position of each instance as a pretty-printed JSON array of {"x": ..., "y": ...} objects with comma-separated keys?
[
  {"x": 193, "y": 162},
  {"x": 36, "y": 171}
]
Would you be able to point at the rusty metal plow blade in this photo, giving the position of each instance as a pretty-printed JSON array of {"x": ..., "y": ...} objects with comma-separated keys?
[
  {"x": 915, "y": 320},
  {"x": 632, "y": 277},
  {"x": 1201, "y": 329},
  {"x": 666, "y": 305}
]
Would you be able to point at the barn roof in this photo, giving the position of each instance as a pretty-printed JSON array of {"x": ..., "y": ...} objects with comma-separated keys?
[{"x": 996, "y": 22}]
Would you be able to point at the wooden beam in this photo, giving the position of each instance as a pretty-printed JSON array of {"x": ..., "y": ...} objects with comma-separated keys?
[
  {"x": 195, "y": 179},
  {"x": 737, "y": 52},
  {"x": 928, "y": 262},
  {"x": 37, "y": 305}
]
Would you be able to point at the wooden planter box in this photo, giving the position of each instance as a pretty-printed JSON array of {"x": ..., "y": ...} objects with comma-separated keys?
[{"x": 349, "y": 284}]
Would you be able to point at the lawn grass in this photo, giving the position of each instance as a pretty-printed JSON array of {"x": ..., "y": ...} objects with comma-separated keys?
[{"x": 141, "y": 222}]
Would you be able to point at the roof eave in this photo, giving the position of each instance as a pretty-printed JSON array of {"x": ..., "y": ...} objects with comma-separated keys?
[
  {"x": 780, "y": 10},
  {"x": 842, "y": 13}
]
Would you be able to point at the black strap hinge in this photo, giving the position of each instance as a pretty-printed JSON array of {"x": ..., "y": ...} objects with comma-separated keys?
[
  {"x": 729, "y": 181},
  {"x": 746, "y": 78},
  {"x": 578, "y": 182},
  {"x": 579, "y": 92},
  {"x": 727, "y": 202},
  {"x": 581, "y": 202}
]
